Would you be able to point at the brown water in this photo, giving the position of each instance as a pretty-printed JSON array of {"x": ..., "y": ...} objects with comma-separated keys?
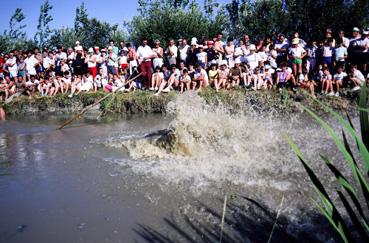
[
  {"x": 104, "y": 181},
  {"x": 56, "y": 186}
]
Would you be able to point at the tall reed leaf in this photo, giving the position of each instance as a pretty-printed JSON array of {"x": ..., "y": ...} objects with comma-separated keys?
[
  {"x": 329, "y": 210},
  {"x": 361, "y": 146},
  {"x": 364, "y": 121}
]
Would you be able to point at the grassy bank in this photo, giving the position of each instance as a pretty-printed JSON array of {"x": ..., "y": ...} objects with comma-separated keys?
[{"x": 146, "y": 102}]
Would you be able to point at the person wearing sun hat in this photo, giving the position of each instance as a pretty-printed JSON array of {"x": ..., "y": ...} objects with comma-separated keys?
[
  {"x": 91, "y": 60},
  {"x": 296, "y": 53},
  {"x": 355, "y": 50}
]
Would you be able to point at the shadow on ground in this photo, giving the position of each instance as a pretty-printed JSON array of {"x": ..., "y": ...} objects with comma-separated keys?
[{"x": 246, "y": 221}]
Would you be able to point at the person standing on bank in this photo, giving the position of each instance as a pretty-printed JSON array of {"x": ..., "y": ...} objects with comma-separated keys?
[{"x": 145, "y": 54}]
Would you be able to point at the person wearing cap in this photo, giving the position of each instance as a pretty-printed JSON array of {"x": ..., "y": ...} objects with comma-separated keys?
[
  {"x": 223, "y": 75},
  {"x": 70, "y": 55},
  {"x": 183, "y": 49},
  {"x": 296, "y": 53},
  {"x": 91, "y": 60},
  {"x": 192, "y": 51},
  {"x": 171, "y": 52},
  {"x": 145, "y": 54},
  {"x": 235, "y": 74},
  {"x": 112, "y": 63},
  {"x": 79, "y": 64},
  {"x": 60, "y": 55},
  {"x": 158, "y": 60},
  {"x": 355, "y": 49},
  {"x": 202, "y": 57}
]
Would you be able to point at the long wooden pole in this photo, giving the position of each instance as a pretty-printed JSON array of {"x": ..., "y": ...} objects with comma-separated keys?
[{"x": 94, "y": 104}]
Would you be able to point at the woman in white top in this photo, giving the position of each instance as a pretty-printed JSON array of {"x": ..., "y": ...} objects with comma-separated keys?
[
  {"x": 91, "y": 60},
  {"x": 159, "y": 53}
]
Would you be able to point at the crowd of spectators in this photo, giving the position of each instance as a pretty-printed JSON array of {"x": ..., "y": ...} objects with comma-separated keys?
[{"x": 321, "y": 66}]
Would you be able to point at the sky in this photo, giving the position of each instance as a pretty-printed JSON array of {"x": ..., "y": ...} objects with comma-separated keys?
[{"x": 63, "y": 12}]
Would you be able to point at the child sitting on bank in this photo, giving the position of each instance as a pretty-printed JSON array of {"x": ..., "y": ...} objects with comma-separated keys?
[{"x": 185, "y": 80}]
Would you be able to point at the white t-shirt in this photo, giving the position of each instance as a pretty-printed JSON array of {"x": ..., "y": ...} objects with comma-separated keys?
[
  {"x": 201, "y": 56},
  {"x": 327, "y": 51},
  {"x": 14, "y": 69},
  {"x": 46, "y": 62},
  {"x": 112, "y": 59},
  {"x": 90, "y": 62},
  {"x": 296, "y": 52},
  {"x": 144, "y": 52},
  {"x": 340, "y": 76},
  {"x": 358, "y": 75},
  {"x": 31, "y": 62},
  {"x": 174, "y": 51},
  {"x": 253, "y": 60},
  {"x": 183, "y": 52}
]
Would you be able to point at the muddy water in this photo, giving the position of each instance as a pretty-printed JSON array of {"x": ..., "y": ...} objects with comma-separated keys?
[
  {"x": 56, "y": 186},
  {"x": 107, "y": 181}
]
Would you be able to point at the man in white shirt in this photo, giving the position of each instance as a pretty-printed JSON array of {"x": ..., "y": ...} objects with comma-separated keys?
[
  {"x": 171, "y": 52},
  {"x": 12, "y": 66},
  {"x": 46, "y": 61},
  {"x": 112, "y": 61},
  {"x": 31, "y": 63},
  {"x": 145, "y": 54},
  {"x": 282, "y": 47},
  {"x": 183, "y": 51},
  {"x": 345, "y": 40}
]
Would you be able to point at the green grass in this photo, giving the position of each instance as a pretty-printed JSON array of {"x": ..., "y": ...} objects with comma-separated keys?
[{"x": 348, "y": 192}]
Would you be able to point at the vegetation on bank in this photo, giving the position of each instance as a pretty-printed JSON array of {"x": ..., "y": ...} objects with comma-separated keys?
[
  {"x": 145, "y": 102},
  {"x": 353, "y": 224}
]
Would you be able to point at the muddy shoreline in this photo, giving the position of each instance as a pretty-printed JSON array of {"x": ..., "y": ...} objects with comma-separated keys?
[{"x": 145, "y": 102}]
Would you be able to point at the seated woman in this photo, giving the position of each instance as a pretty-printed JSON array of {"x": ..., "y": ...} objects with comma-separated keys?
[
  {"x": 185, "y": 80},
  {"x": 79, "y": 84},
  {"x": 157, "y": 78},
  {"x": 285, "y": 77},
  {"x": 235, "y": 74},
  {"x": 307, "y": 83},
  {"x": 327, "y": 82},
  {"x": 214, "y": 76},
  {"x": 223, "y": 76}
]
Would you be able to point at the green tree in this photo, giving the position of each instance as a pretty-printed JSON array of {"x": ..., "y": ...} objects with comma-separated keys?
[
  {"x": 63, "y": 37},
  {"x": 43, "y": 28},
  {"x": 165, "y": 19},
  {"x": 81, "y": 22},
  {"x": 16, "y": 27}
]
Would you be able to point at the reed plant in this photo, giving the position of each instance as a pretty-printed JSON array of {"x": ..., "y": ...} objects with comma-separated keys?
[{"x": 354, "y": 213}]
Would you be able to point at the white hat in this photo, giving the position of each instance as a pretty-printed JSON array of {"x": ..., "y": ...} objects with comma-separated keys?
[
  {"x": 90, "y": 49},
  {"x": 295, "y": 41},
  {"x": 267, "y": 67},
  {"x": 237, "y": 61},
  {"x": 224, "y": 62},
  {"x": 366, "y": 32},
  {"x": 355, "y": 29},
  {"x": 97, "y": 48},
  {"x": 201, "y": 46},
  {"x": 252, "y": 47},
  {"x": 77, "y": 43}
]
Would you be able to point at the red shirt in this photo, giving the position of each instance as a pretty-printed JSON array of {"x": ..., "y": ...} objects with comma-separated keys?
[{"x": 1, "y": 64}]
